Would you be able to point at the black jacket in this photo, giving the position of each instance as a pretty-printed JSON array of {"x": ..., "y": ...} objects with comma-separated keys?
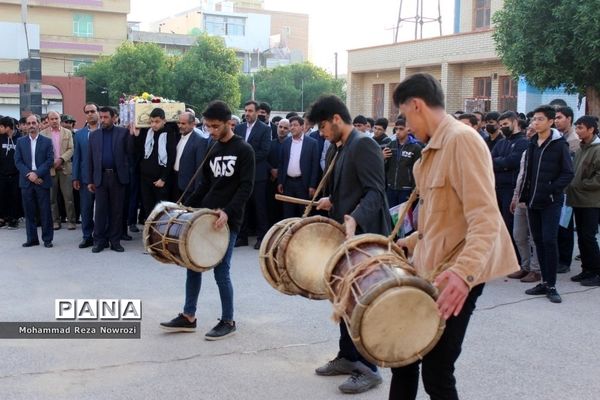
[
  {"x": 8, "y": 147},
  {"x": 546, "y": 179},
  {"x": 400, "y": 165},
  {"x": 506, "y": 156}
]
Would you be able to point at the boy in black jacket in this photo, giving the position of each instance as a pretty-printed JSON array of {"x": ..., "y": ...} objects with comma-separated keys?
[
  {"x": 225, "y": 185},
  {"x": 10, "y": 200},
  {"x": 548, "y": 171}
]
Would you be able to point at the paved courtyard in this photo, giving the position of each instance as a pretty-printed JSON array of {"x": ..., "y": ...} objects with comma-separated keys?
[{"x": 517, "y": 346}]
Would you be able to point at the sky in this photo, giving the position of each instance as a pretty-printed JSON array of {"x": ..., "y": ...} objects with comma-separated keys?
[{"x": 334, "y": 25}]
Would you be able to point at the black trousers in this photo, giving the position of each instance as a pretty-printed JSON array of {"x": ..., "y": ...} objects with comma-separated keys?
[
  {"x": 36, "y": 199},
  {"x": 566, "y": 242},
  {"x": 348, "y": 350},
  {"x": 10, "y": 198},
  {"x": 258, "y": 205},
  {"x": 294, "y": 187},
  {"x": 151, "y": 194},
  {"x": 108, "y": 219},
  {"x": 274, "y": 207},
  {"x": 438, "y": 364},
  {"x": 586, "y": 220}
]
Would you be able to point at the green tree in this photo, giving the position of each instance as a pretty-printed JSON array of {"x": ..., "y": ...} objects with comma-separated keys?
[
  {"x": 552, "y": 44},
  {"x": 132, "y": 69},
  {"x": 291, "y": 87},
  {"x": 208, "y": 71}
]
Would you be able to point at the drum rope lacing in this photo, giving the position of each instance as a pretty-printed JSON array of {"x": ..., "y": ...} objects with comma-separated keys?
[
  {"x": 347, "y": 289},
  {"x": 164, "y": 242}
]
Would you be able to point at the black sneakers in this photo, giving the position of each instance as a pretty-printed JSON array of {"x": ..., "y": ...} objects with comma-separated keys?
[
  {"x": 553, "y": 295},
  {"x": 549, "y": 291},
  {"x": 538, "y": 289},
  {"x": 179, "y": 324},
  {"x": 591, "y": 281},
  {"x": 222, "y": 330},
  {"x": 582, "y": 276}
]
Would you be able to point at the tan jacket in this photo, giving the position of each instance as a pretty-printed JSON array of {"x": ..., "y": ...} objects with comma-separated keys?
[
  {"x": 455, "y": 180},
  {"x": 66, "y": 149}
]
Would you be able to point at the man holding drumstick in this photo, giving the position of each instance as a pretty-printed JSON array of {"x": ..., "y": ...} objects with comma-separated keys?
[
  {"x": 461, "y": 241},
  {"x": 357, "y": 199},
  {"x": 226, "y": 182}
]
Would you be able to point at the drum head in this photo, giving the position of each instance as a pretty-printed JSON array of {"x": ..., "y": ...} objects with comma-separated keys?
[
  {"x": 307, "y": 248},
  {"x": 397, "y": 323},
  {"x": 204, "y": 246}
]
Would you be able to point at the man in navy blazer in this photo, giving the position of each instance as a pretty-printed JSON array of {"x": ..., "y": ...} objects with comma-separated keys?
[
  {"x": 81, "y": 178},
  {"x": 298, "y": 167},
  {"x": 109, "y": 148},
  {"x": 191, "y": 150},
  {"x": 258, "y": 135},
  {"x": 34, "y": 156}
]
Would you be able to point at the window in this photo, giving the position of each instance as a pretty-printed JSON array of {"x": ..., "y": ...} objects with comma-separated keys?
[
  {"x": 83, "y": 25},
  {"x": 378, "y": 90},
  {"x": 79, "y": 63},
  {"x": 224, "y": 26},
  {"x": 482, "y": 88},
  {"x": 394, "y": 111},
  {"x": 481, "y": 14},
  {"x": 507, "y": 94}
]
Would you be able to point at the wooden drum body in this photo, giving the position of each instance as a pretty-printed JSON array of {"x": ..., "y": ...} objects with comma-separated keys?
[
  {"x": 186, "y": 237},
  {"x": 391, "y": 313},
  {"x": 268, "y": 254}
]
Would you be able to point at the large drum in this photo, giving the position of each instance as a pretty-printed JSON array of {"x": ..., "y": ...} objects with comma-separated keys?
[
  {"x": 391, "y": 313},
  {"x": 268, "y": 254},
  {"x": 304, "y": 250},
  {"x": 184, "y": 236},
  {"x": 294, "y": 253}
]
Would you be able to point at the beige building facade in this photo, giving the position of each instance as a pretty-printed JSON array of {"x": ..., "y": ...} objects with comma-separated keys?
[
  {"x": 471, "y": 74},
  {"x": 72, "y": 32}
]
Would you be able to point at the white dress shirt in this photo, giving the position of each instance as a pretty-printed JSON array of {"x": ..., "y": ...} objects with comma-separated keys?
[
  {"x": 180, "y": 146},
  {"x": 33, "y": 146},
  {"x": 293, "y": 169},
  {"x": 249, "y": 129}
]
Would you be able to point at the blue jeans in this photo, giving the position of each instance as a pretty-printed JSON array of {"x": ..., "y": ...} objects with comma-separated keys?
[
  {"x": 193, "y": 283},
  {"x": 544, "y": 230}
]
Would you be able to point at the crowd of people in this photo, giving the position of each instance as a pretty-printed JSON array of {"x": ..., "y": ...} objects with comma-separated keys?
[{"x": 538, "y": 174}]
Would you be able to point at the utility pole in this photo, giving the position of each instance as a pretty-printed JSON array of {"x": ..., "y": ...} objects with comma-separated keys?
[{"x": 336, "y": 64}]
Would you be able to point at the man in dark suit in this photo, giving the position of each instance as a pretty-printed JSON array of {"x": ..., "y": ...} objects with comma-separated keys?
[
  {"x": 258, "y": 135},
  {"x": 298, "y": 167},
  {"x": 357, "y": 199},
  {"x": 81, "y": 178},
  {"x": 264, "y": 115},
  {"x": 190, "y": 152},
  {"x": 109, "y": 148},
  {"x": 34, "y": 157},
  {"x": 275, "y": 207}
]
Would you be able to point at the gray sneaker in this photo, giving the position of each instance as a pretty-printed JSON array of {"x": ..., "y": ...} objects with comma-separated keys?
[
  {"x": 360, "y": 381},
  {"x": 337, "y": 366}
]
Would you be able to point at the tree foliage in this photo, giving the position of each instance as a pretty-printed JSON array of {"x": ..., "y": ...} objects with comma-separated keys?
[
  {"x": 132, "y": 69},
  {"x": 291, "y": 87},
  {"x": 551, "y": 43},
  {"x": 206, "y": 72}
]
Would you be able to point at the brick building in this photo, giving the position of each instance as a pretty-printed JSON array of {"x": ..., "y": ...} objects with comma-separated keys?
[{"x": 466, "y": 63}]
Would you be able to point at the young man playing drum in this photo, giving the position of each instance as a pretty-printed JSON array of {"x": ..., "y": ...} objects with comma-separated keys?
[
  {"x": 462, "y": 240},
  {"x": 357, "y": 199},
  {"x": 225, "y": 186}
]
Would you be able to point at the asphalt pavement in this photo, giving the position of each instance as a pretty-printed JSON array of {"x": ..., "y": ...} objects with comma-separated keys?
[{"x": 517, "y": 346}]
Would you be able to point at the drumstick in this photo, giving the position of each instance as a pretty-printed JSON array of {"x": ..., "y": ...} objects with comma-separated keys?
[{"x": 290, "y": 199}]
